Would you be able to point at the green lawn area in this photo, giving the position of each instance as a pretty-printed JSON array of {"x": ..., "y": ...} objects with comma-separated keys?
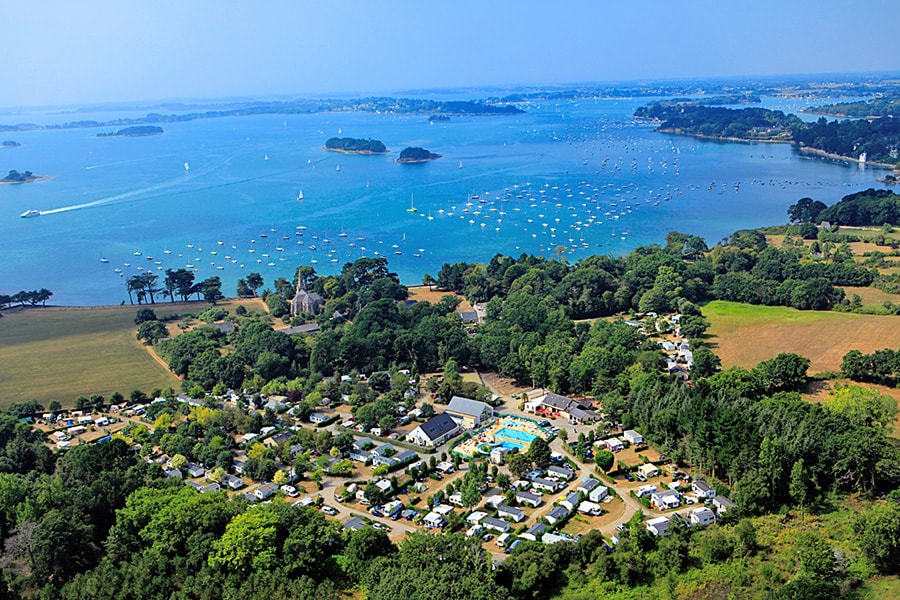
[
  {"x": 61, "y": 353},
  {"x": 745, "y": 335}
]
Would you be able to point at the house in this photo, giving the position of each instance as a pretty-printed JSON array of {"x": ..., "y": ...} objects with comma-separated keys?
[
  {"x": 534, "y": 532},
  {"x": 318, "y": 418},
  {"x": 443, "y": 509},
  {"x": 588, "y": 485},
  {"x": 467, "y": 413},
  {"x": 194, "y": 470},
  {"x": 495, "y": 524},
  {"x": 497, "y": 454},
  {"x": 354, "y": 523},
  {"x": 306, "y": 328},
  {"x": 633, "y": 437},
  {"x": 434, "y": 521},
  {"x": 172, "y": 474},
  {"x": 545, "y": 485},
  {"x": 474, "y": 530},
  {"x": 361, "y": 449},
  {"x": 590, "y": 508},
  {"x": 552, "y": 538},
  {"x": 648, "y": 470},
  {"x": 532, "y": 500},
  {"x": 554, "y": 405},
  {"x": 233, "y": 483},
  {"x": 495, "y": 501},
  {"x": 384, "y": 455},
  {"x": 646, "y": 489},
  {"x": 571, "y": 501},
  {"x": 665, "y": 499},
  {"x": 445, "y": 467},
  {"x": 598, "y": 493},
  {"x": 659, "y": 526},
  {"x": 702, "y": 516},
  {"x": 563, "y": 473},
  {"x": 305, "y": 301},
  {"x": 384, "y": 485},
  {"x": 211, "y": 487},
  {"x": 265, "y": 490},
  {"x": 612, "y": 444},
  {"x": 435, "y": 431},
  {"x": 556, "y": 515},
  {"x": 723, "y": 504},
  {"x": 476, "y": 517},
  {"x": 468, "y": 317},
  {"x": 703, "y": 489},
  {"x": 392, "y": 508},
  {"x": 510, "y": 512},
  {"x": 226, "y": 327},
  {"x": 237, "y": 464}
]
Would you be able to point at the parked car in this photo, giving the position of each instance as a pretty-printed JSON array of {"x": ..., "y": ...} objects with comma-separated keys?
[
  {"x": 629, "y": 477},
  {"x": 376, "y": 513},
  {"x": 290, "y": 490},
  {"x": 544, "y": 423},
  {"x": 620, "y": 527},
  {"x": 329, "y": 510},
  {"x": 487, "y": 537}
]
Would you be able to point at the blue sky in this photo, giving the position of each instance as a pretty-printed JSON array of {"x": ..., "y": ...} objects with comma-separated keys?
[{"x": 61, "y": 52}]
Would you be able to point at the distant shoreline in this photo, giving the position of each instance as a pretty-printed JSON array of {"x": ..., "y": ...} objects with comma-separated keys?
[{"x": 850, "y": 159}]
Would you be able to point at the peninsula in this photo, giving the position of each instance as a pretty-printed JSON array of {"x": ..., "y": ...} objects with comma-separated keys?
[
  {"x": 411, "y": 155},
  {"x": 355, "y": 146},
  {"x": 136, "y": 131}
]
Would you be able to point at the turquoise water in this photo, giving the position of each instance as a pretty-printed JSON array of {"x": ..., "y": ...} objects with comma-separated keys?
[
  {"x": 566, "y": 178},
  {"x": 515, "y": 434}
]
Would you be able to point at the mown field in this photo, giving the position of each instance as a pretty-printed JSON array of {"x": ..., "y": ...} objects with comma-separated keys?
[
  {"x": 745, "y": 335},
  {"x": 60, "y": 353}
]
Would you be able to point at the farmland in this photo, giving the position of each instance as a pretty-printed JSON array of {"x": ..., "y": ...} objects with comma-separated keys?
[{"x": 744, "y": 335}]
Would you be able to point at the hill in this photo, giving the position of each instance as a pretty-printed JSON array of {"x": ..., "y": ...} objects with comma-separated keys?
[{"x": 355, "y": 146}]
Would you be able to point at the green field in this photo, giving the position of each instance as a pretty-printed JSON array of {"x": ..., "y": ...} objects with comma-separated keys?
[
  {"x": 61, "y": 353},
  {"x": 745, "y": 335}
]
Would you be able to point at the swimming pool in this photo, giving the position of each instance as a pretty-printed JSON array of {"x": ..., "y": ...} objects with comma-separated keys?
[{"x": 514, "y": 434}]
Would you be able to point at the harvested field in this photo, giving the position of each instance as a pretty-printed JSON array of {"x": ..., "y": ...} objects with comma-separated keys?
[
  {"x": 745, "y": 335},
  {"x": 421, "y": 293},
  {"x": 60, "y": 353}
]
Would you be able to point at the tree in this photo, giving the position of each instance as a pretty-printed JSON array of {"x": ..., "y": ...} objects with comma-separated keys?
[
  {"x": 144, "y": 314},
  {"x": 539, "y": 453},
  {"x": 62, "y": 546},
  {"x": 692, "y": 326},
  {"x": 800, "y": 486},
  {"x": 604, "y": 460},
  {"x": 152, "y": 331},
  {"x": 243, "y": 290},
  {"x": 878, "y": 533},
  {"x": 211, "y": 289},
  {"x": 706, "y": 363},
  {"x": 254, "y": 282},
  {"x": 816, "y": 556},
  {"x": 178, "y": 461}
]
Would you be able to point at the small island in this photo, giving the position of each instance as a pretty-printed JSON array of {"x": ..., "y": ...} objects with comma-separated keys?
[
  {"x": 355, "y": 146},
  {"x": 412, "y": 155},
  {"x": 136, "y": 131},
  {"x": 23, "y": 177},
  {"x": 10, "y": 144},
  {"x": 439, "y": 118}
]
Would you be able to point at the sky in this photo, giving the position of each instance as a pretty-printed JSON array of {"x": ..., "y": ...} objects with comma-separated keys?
[{"x": 59, "y": 52}]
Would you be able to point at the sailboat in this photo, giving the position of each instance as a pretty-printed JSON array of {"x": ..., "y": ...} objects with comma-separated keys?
[
  {"x": 412, "y": 207},
  {"x": 187, "y": 167},
  {"x": 300, "y": 196},
  {"x": 460, "y": 164},
  {"x": 338, "y": 168},
  {"x": 103, "y": 259}
]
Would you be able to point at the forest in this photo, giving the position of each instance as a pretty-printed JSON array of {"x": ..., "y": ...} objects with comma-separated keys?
[
  {"x": 878, "y": 138},
  {"x": 412, "y": 154},
  {"x": 100, "y": 521},
  {"x": 875, "y": 107},
  {"x": 356, "y": 146}
]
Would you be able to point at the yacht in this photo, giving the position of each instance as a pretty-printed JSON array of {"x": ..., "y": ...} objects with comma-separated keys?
[{"x": 30, "y": 213}]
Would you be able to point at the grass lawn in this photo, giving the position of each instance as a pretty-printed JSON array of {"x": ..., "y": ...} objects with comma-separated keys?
[
  {"x": 745, "y": 335},
  {"x": 60, "y": 353}
]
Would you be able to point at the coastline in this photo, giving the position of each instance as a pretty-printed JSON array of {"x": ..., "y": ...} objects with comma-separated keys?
[
  {"x": 363, "y": 152},
  {"x": 850, "y": 159},
  {"x": 724, "y": 138}
]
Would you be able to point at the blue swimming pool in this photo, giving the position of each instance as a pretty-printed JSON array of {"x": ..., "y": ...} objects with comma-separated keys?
[{"x": 514, "y": 434}]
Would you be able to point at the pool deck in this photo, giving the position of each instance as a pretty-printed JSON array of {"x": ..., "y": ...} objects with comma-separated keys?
[{"x": 487, "y": 435}]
